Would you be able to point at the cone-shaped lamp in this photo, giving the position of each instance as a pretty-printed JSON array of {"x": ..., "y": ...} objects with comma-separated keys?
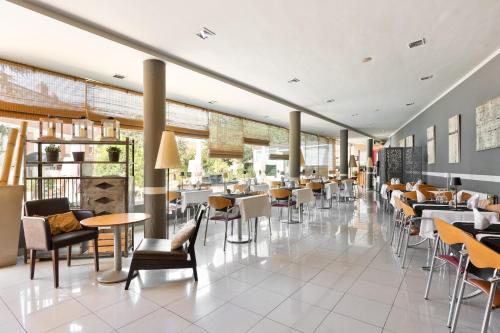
[{"x": 168, "y": 158}]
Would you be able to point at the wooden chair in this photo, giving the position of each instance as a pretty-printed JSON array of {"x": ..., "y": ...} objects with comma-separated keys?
[
  {"x": 409, "y": 228},
  {"x": 174, "y": 200},
  {"x": 282, "y": 198},
  {"x": 222, "y": 205},
  {"x": 493, "y": 208},
  {"x": 158, "y": 254},
  {"x": 241, "y": 187},
  {"x": 275, "y": 184},
  {"x": 410, "y": 195},
  {"x": 317, "y": 189},
  {"x": 38, "y": 236},
  {"x": 480, "y": 256},
  {"x": 447, "y": 235},
  {"x": 465, "y": 196}
]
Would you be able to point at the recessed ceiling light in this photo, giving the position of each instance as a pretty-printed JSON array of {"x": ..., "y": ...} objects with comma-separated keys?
[
  {"x": 212, "y": 102},
  {"x": 330, "y": 100},
  {"x": 377, "y": 110},
  {"x": 205, "y": 33},
  {"x": 119, "y": 76},
  {"x": 355, "y": 115},
  {"x": 427, "y": 77},
  {"x": 294, "y": 80},
  {"x": 410, "y": 104},
  {"x": 367, "y": 59},
  {"x": 416, "y": 43}
]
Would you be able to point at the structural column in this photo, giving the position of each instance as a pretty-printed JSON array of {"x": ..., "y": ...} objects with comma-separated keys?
[
  {"x": 154, "y": 125},
  {"x": 369, "y": 169},
  {"x": 294, "y": 145},
  {"x": 344, "y": 158}
]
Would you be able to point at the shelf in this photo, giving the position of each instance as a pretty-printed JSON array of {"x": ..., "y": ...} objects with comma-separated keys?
[
  {"x": 78, "y": 142},
  {"x": 73, "y": 162}
]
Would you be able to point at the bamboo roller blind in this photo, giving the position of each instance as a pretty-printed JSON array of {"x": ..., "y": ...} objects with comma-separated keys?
[
  {"x": 255, "y": 133},
  {"x": 226, "y": 136}
]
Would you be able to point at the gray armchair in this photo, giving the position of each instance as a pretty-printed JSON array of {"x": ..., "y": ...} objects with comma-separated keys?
[{"x": 38, "y": 237}]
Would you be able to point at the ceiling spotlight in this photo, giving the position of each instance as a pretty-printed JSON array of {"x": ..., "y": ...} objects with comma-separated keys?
[
  {"x": 119, "y": 76},
  {"x": 212, "y": 102},
  {"x": 426, "y": 77},
  {"x": 355, "y": 115},
  {"x": 416, "y": 43},
  {"x": 205, "y": 33},
  {"x": 376, "y": 110},
  {"x": 330, "y": 100},
  {"x": 366, "y": 59},
  {"x": 410, "y": 104},
  {"x": 294, "y": 80}
]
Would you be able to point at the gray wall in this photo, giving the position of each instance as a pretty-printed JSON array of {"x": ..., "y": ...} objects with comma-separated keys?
[{"x": 476, "y": 90}]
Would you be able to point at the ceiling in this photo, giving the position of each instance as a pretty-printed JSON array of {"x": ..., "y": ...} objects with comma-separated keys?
[{"x": 264, "y": 44}]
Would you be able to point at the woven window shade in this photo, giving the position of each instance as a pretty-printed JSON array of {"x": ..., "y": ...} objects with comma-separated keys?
[
  {"x": 323, "y": 155},
  {"x": 105, "y": 101},
  {"x": 35, "y": 92},
  {"x": 278, "y": 136},
  {"x": 226, "y": 136},
  {"x": 187, "y": 121},
  {"x": 255, "y": 133},
  {"x": 311, "y": 150}
]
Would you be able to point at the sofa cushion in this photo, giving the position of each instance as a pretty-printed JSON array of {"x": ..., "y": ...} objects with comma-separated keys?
[
  {"x": 183, "y": 235},
  {"x": 151, "y": 248},
  {"x": 65, "y": 222},
  {"x": 75, "y": 237}
]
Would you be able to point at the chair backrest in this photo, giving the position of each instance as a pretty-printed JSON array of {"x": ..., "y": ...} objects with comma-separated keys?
[
  {"x": 218, "y": 202},
  {"x": 172, "y": 196},
  {"x": 410, "y": 195},
  {"x": 46, "y": 207},
  {"x": 198, "y": 218},
  {"x": 493, "y": 208},
  {"x": 280, "y": 193},
  {"x": 480, "y": 255},
  {"x": 465, "y": 196},
  {"x": 316, "y": 187},
  {"x": 401, "y": 187},
  {"x": 304, "y": 181},
  {"x": 407, "y": 210},
  {"x": 448, "y": 233},
  {"x": 241, "y": 187},
  {"x": 275, "y": 183}
]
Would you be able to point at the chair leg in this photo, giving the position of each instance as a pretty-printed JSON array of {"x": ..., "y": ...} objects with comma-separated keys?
[
  {"x": 130, "y": 275},
  {"x": 407, "y": 231},
  {"x": 459, "y": 300},
  {"x": 255, "y": 231},
  {"x": 248, "y": 228},
  {"x": 455, "y": 290},
  {"x": 269, "y": 222},
  {"x": 487, "y": 311},
  {"x": 195, "y": 273},
  {"x": 68, "y": 258},
  {"x": 206, "y": 226},
  {"x": 225, "y": 236},
  {"x": 431, "y": 270},
  {"x": 32, "y": 263},
  {"x": 96, "y": 254},
  {"x": 55, "y": 266}
]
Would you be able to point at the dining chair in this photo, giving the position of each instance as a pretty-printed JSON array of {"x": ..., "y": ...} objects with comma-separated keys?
[
  {"x": 409, "y": 228},
  {"x": 332, "y": 190},
  {"x": 447, "y": 235},
  {"x": 347, "y": 190},
  {"x": 222, "y": 207},
  {"x": 275, "y": 184},
  {"x": 398, "y": 217},
  {"x": 464, "y": 196},
  {"x": 174, "y": 203},
  {"x": 282, "y": 198},
  {"x": 412, "y": 195},
  {"x": 241, "y": 188},
  {"x": 483, "y": 257},
  {"x": 317, "y": 189}
]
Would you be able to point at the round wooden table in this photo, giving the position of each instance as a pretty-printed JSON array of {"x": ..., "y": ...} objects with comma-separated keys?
[{"x": 115, "y": 221}]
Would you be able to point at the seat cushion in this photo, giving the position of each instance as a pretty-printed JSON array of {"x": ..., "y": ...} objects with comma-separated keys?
[
  {"x": 223, "y": 217},
  {"x": 151, "y": 248},
  {"x": 485, "y": 288},
  {"x": 183, "y": 235},
  {"x": 74, "y": 237},
  {"x": 62, "y": 223}
]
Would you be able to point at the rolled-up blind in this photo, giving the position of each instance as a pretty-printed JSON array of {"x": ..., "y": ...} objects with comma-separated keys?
[
  {"x": 186, "y": 120},
  {"x": 226, "y": 136},
  {"x": 255, "y": 133}
]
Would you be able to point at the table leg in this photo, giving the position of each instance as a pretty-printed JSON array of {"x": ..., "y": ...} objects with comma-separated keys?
[
  {"x": 239, "y": 236},
  {"x": 117, "y": 274}
]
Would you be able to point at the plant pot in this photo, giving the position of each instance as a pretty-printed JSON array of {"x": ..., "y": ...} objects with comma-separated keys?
[
  {"x": 78, "y": 156},
  {"x": 52, "y": 156},
  {"x": 114, "y": 156}
]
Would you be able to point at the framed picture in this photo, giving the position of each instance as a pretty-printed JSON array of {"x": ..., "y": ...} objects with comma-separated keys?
[
  {"x": 488, "y": 125},
  {"x": 454, "y": 139},
  {"x": 402, "y": 143},
  {"x": 409, "y": 141},
  {"x": 431, "y": 145}
]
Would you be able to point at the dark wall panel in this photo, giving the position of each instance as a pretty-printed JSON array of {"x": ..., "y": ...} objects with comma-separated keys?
[{"x": 474, "y": 91}]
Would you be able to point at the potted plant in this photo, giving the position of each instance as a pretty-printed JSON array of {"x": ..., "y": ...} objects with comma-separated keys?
[
  {"x": 113, "y": 153},
  {"x": 52, "y": 153},
  {"x": 78, "y": 156}
]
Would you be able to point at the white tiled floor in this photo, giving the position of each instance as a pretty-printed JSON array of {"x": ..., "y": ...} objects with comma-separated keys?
[{"x": 333, "y": 273}]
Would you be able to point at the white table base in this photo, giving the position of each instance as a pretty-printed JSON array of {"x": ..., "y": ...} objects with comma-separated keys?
[
  {"x": 239, "y": 238},
  {"x": 117, "y": 274}
]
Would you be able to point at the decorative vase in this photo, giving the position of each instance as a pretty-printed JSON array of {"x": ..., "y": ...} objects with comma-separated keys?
[
  {"x": 52, "y": 156},
  {"x": 78, "y": 156},
  {"x": 114, "y": 156}
]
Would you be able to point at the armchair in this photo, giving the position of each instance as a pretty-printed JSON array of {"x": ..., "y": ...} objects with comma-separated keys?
[{"x": 39, "y": 238}]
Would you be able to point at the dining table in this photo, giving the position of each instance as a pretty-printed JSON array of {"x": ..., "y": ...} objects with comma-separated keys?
[
  {"x": 236, "y": 199},
  {"x": 193, "y": 197}
]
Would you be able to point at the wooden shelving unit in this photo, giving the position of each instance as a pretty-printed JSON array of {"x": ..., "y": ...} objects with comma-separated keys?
[{"x": 103, "y": 194}]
